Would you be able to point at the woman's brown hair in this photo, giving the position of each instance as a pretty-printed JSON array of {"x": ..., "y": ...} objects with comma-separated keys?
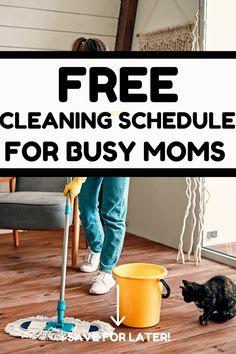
[{"x": 83, "y": 44}]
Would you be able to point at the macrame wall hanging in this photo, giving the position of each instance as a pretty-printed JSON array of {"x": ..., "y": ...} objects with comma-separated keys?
[
  {"x": 178, "y": 38},
  {"x": 195, "y": 209}
]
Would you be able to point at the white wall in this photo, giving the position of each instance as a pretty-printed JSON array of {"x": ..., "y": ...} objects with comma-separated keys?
[
  {"x": 220, "y": 213},
  {"x": 55, "y": 24},
  {"x": 156, "y": 208},
  {"x": 221, "y": 25},
  {"x": 165, "y": 14}
]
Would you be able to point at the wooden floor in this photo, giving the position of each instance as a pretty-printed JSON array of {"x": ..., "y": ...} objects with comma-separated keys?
[{"x": 29, "y": 281}]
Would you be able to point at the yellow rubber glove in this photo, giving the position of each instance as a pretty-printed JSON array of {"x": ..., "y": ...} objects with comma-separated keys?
[{"x": 74, "y": 187}]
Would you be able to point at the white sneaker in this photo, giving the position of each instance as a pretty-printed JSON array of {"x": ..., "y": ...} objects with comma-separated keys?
[
  {"x": 102, "y": 283},
  {"x": 91, "y": 262}
]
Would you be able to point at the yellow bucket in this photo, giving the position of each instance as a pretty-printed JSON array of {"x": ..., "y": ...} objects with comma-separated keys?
[{"x": 140, "y": 293}]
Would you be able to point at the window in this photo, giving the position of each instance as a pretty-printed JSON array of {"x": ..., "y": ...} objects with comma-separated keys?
[{"x": 219, "y": 24}]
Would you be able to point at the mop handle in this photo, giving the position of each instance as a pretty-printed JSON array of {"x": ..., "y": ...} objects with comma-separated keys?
[{"x": 65, "y": 246}]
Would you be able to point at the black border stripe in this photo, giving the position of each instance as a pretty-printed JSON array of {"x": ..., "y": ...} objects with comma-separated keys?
[
  {"x": 132, "y": 172},
  {"x": 116, "y": 55}
]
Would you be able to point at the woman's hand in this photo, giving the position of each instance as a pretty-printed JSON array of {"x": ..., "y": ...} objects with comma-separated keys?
[{"x": 74, "y": 187}]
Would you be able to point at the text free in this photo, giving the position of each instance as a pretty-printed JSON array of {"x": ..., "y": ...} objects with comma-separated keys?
[{"x": 157, "y": 83}]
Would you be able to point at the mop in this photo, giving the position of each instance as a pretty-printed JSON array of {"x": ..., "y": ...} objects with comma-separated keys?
[{"x": 60, "y": 328}]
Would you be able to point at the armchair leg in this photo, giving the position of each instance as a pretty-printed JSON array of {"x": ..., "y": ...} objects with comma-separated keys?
[
  {"x": 16, "y": 238},
  {"x": 75, "y": 239}
]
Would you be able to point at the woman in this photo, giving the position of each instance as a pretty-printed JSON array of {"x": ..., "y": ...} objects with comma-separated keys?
[
  {"x": 104, "y": 228},
  {"x": 83, "y": 44}
]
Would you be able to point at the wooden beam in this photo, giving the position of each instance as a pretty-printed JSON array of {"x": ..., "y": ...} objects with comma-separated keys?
[{"x": 128, "y": 9}]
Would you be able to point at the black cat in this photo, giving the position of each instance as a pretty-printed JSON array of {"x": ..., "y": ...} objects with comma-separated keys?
[{"x": 217, "y": 298}]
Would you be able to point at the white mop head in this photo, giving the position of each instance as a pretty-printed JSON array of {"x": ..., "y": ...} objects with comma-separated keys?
[{"x": 80, "y": 331}]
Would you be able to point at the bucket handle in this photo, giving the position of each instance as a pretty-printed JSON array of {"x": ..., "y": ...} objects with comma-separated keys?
[{"x": 165, "y": 296}]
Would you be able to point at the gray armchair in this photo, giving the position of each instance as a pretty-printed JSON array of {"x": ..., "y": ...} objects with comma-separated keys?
[{"x": 37, "y": 203}]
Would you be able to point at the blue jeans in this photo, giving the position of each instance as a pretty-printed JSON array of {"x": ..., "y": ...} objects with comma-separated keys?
[{"x": 108, "y": 239}]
